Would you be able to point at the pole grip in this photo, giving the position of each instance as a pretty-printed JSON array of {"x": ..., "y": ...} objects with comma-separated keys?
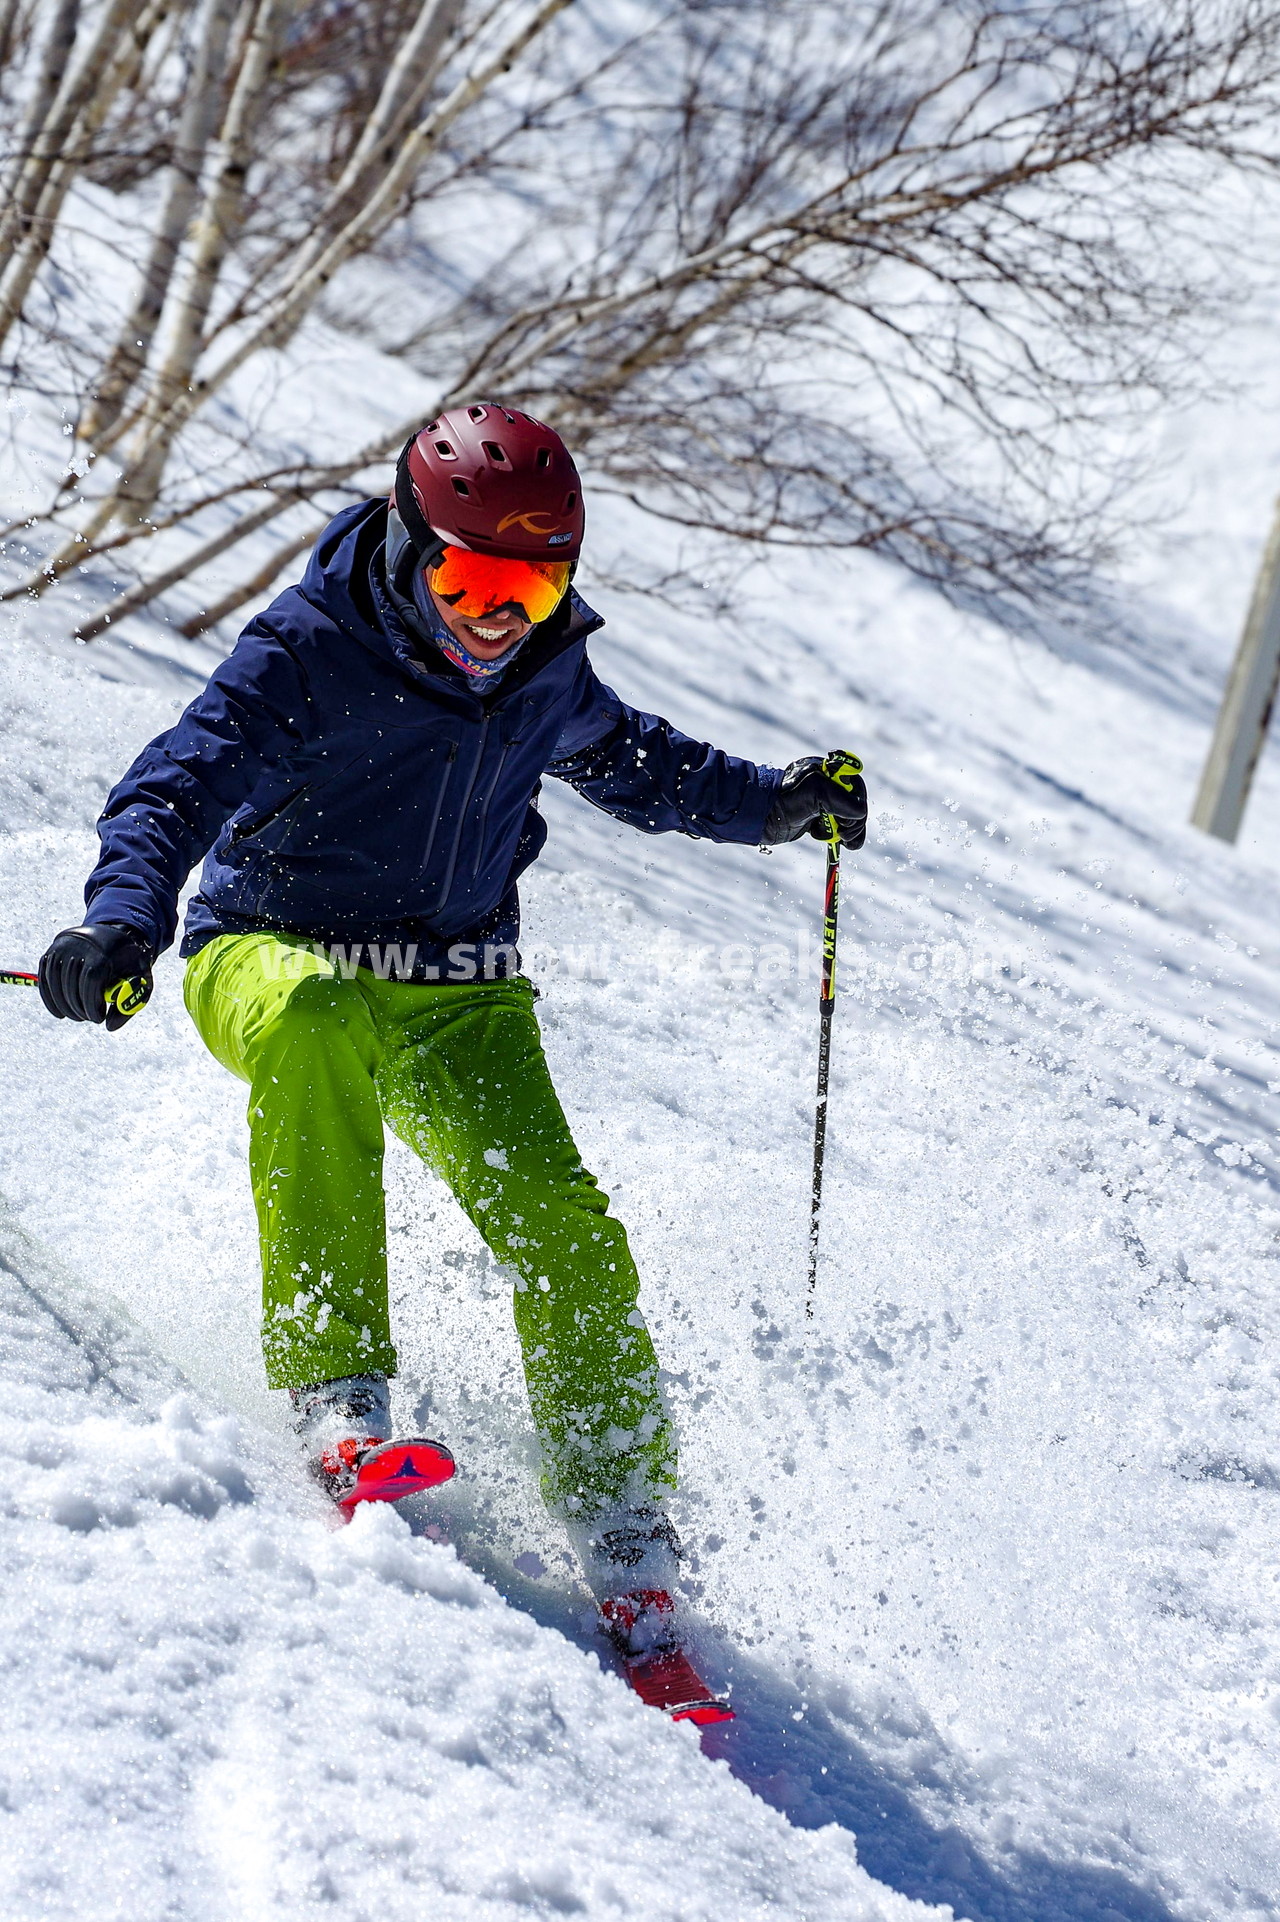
[
  {"x": 129, "y": 995},
  {"x": 830, "y": 912},
  {"x": 124, "y": 999}
]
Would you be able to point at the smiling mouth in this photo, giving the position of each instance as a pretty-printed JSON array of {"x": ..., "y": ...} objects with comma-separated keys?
[{"x": 488, "y": 633}]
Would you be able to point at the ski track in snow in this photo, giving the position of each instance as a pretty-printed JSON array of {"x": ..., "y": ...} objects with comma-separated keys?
[{"x": 987, "y": 1552}]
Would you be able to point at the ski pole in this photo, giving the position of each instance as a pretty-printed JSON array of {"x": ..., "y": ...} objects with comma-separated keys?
[
  {"x": 126, "y": 997},
  {"x": 841, "y": 767},
  {"x": 826, "y": 1007}
]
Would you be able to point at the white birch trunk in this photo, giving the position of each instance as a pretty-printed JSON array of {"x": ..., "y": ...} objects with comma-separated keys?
[
  {"x": 216, "y": 230},
  {"x": 411, "y": 73},
  {"x": 39, "y": 223},
  {"x": 10, "y": 14},
  {"x": 257, "y": 583},
  {"x": 54, "y": 60},
  {"x": 77, "y": 86},
  {"x": 195, "y": 131},
  {"x": 1247, "y": 704},
  {"x": 280, "y": 499},
  {"x": 296, "y": 299}
]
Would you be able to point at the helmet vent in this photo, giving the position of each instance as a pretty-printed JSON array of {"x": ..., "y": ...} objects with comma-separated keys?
[{"x": 484, "y": 461}]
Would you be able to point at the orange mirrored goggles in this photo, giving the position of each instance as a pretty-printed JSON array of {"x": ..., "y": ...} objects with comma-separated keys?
[{"x": 479, "y": 584}]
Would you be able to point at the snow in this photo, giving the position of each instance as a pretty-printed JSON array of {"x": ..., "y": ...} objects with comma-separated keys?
[
  {"x": 986, "y": 1551},
  {"x": 219, "y": 1703}
]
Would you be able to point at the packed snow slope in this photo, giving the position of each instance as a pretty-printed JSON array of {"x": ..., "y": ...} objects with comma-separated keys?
[{"x": 987, "y": 1551}]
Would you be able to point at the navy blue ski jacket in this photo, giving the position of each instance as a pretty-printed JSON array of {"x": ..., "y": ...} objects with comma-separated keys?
[{"x": 345, "y": 782}]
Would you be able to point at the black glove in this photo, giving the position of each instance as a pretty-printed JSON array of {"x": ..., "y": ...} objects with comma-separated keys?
[
  {"x": 817, "y": 787},
  {"x": 81, "y": 966}
]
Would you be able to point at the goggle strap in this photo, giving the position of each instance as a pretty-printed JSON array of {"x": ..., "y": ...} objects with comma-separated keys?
[
  {"x": 407, "y": 566},
  {"x": 427, "y": 544}
]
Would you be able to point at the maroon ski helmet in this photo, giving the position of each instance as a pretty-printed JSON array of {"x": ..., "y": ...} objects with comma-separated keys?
[{"x": 494, "y": 480}]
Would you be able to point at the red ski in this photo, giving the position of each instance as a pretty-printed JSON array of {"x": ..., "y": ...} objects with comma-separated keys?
[
  {"x": 362, "y": 1471},
  {"x": 661, "y": 1674},
  {"x": 669, "y": 1681}
]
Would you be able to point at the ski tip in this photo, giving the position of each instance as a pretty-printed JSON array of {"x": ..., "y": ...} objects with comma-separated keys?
[
  {"x": 391, "y": 1470},
  {"x": 703, "y": 1714},
  {"x": 668, "y": 1680}
]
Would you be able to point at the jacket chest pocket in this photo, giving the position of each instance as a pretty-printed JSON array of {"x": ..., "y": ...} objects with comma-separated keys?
[
  {"x": 271, "y": 827},
  {"x": 277, "y": 816}
]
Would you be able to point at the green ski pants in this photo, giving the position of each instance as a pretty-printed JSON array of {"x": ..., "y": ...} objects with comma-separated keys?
[{"x": 457, "y": 1071}]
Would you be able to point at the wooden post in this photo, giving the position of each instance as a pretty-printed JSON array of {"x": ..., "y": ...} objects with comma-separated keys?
[{"x": 1245, "y": 713}]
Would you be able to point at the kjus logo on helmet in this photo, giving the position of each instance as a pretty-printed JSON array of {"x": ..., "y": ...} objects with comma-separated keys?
[{"x": 532, "y": 523}]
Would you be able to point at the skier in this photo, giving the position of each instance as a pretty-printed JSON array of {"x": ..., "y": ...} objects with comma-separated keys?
[{"x": 360, "y": 777}]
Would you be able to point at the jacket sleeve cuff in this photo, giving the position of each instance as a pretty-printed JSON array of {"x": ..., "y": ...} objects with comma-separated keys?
[
  {"x": 747, "y": 825},
  {"x": 123, "y": 910}
]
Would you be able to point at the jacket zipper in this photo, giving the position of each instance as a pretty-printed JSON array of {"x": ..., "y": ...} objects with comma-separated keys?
[
  {"x": 489, "y": 792},
  {"x": 449, "y": 760},
  {"x": 447, "y": 884}
]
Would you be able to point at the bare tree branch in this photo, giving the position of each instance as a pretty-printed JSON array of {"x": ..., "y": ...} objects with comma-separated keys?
[
  {"x": 258, "y": 582},
  {"x": 855, "y": 273}
]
